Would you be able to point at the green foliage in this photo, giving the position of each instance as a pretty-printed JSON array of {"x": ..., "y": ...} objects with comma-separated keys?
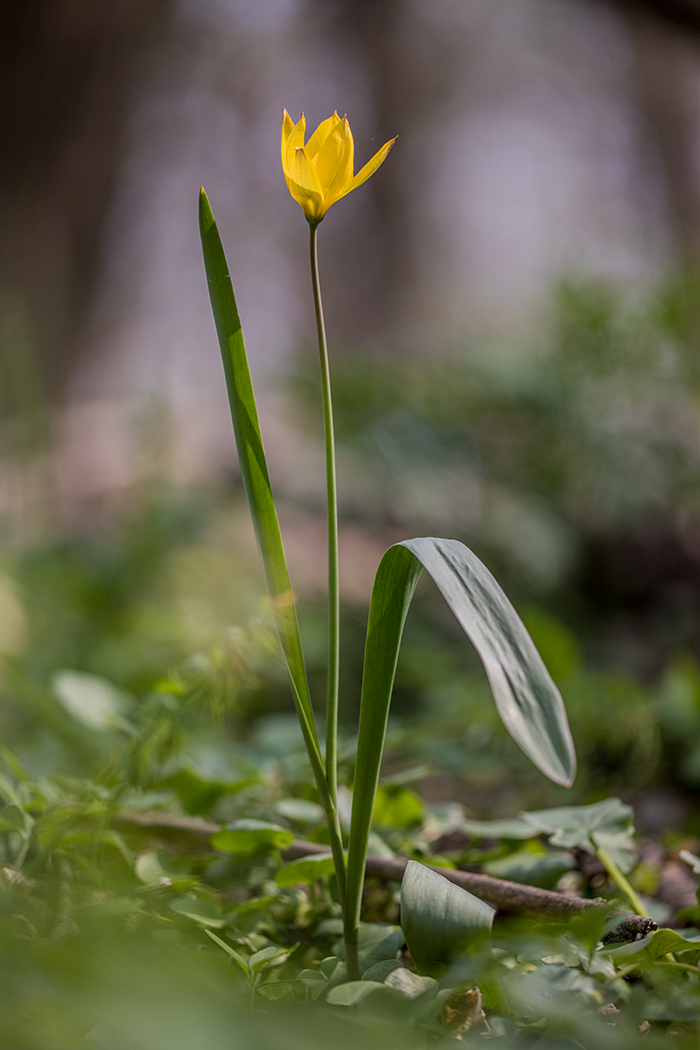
[
  {"x": 307, "y": 870},
  {"x": 155, "y": 937},
  {"x": 249, "y": 836},
  {"x": 526, "y": 698}
]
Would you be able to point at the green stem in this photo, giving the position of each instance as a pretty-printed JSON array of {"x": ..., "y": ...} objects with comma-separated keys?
[
  {"x": 620, "y": 880},
  {"x": 330, "y": 809},
  {"x": 332, "y": 503}
]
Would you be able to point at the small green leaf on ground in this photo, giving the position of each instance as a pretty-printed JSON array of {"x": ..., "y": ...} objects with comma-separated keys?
[
  {"x": 607, "y": 824},
  {"x": 655, "y": 946},
  {"x": 541, "y": 868},
  {"x": 352, "y": 992},
  {"x": 307, "y": 869},
  {"x": 299, "y": 809},
  {"x": 249, "y": 836},
  {"x": 397, "y": 807}
]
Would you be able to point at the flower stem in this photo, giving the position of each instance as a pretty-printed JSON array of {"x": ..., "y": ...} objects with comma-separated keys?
[{"x": 332, "y": 504}]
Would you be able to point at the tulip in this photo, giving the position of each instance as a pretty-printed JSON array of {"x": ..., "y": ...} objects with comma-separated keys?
[{"x": 321, "y": 172}]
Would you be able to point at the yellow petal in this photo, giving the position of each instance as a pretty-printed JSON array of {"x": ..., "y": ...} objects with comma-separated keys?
[
  {"x": 295, "y": 140},
  {"x": 335, "y": 158},
  {"x": 287, "y": 129},
  {"x": 339, "y": 184},
  {"x": 371, "y": 165},
  {"x": 320, "y": 135},
  {"x": 303, "y": 185}
]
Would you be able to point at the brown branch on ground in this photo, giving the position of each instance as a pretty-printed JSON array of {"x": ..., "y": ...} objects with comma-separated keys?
[{"x": 509, "y": 896}]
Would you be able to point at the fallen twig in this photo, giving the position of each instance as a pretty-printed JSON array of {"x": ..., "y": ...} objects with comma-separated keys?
[{"x": 509, "y": 896}]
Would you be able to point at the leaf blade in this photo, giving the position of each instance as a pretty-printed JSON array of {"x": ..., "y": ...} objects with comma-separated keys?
[
  {"x": 528, "y": 702},
  {"x": 251, "y": 454},
  {"x": 394, "y": 585},
  {"x": 533, "y": 712}
]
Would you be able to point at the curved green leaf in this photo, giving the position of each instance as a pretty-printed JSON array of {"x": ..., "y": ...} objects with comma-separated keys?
[
  {"x": 254, "y": 471},
  {"x": 529, "y": 703},
  {"x": 527, "y": 699},
  {"x": 439, "y": 920}
]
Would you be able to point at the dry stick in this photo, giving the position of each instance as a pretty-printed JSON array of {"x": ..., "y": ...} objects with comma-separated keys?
[{"x": 513, "y": 896}]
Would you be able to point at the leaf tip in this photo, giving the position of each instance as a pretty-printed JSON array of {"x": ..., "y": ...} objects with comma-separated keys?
[{"x": 206, "y": 215}]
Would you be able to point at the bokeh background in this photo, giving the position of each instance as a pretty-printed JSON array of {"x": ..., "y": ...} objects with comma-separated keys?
[{"x": 513, "y": 310}]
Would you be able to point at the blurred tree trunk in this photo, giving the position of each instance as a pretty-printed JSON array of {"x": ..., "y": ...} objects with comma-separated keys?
[
  {"x": 683, "y": 14},
  {"x": 669, "y": 126},
  {"x": 67, "y": 69},
  {"x": 371, "y": 31},
  {"x": 663, "y": 35}
]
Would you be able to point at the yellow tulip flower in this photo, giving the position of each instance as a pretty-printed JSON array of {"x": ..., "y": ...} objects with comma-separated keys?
[{"x": 321, "y": 172}]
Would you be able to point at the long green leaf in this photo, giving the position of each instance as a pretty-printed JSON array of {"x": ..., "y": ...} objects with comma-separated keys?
[
  {"x": 254, "y": 465},
  {"x": 394, "y": 584},
  {"x": 527, "y": 699}
]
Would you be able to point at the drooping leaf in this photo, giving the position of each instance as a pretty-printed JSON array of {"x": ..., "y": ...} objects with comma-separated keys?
[
  {"x": 439, "y": 920},
  {"x": 527, "y": 700},
  {"x": 248, "y": 836},
  {"x": 256, "y": 479}
]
